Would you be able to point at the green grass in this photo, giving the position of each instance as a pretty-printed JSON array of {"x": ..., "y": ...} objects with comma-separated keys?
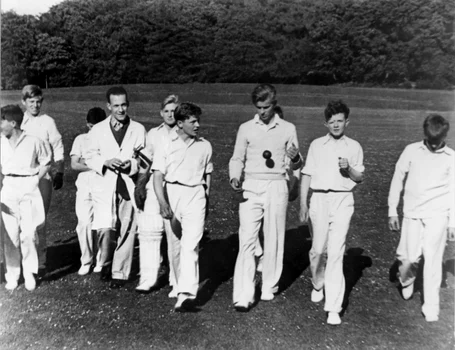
[{"x": 72, "y": 312}]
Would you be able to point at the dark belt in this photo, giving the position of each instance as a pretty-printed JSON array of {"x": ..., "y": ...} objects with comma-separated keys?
[
  {"x": 330, "y": 191},
  {"x": 17, "y": 175}
]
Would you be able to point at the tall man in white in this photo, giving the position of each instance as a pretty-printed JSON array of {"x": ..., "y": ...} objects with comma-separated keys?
[
  {"x": 43, "y": 127},
  {"x": 260, "y": 152},
  {"x": 111, "y": 154}
]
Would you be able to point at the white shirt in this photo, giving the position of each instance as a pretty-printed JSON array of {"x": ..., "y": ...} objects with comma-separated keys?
[
  {"x": 429, "y": 189},
  {"x": 26, "y": 158},
  {"x": 156, "y": 137},
  {"x": 79, "y": 149},
  {"x": 184, "y": 163},
  {"x": 322, "y": 163},
  {"x": 44, "y": 128},
  {"x": 253, "y": 138}
]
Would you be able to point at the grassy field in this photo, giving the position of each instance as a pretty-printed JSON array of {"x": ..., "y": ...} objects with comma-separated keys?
[{"x": 72, "y": 312}]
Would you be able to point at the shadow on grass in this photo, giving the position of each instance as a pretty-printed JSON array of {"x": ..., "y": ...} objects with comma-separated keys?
[
  {"x": 297, "y": 244},
  {"x": 353, "y": 265},
  {"x": 62, "y": 259},
  {"x": 216, "y": 265}
]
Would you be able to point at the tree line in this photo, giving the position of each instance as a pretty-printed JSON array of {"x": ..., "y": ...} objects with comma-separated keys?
[{"x": 392, "y": 43}]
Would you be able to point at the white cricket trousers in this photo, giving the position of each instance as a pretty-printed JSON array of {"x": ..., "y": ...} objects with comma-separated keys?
[
  {"x": 188, "y": 205},
  {"x": 150, "y": 232},
  {"x": 116, "y": 246},
  {"x": 425, "y": 237},
  {"x": 22, "y": 213},
  {"x": 266, "y": 200},
  {"x": 84, "y": 212},
  {"x": 330, "y": 215},
  {"x": 46, "y": 188}
]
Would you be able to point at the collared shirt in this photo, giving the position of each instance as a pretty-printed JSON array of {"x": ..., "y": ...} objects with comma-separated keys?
[
  {"x": 26, "y": 158},
  {"x": 116, "y": 125},
  {"x": 253, "y": 138},
  {"x": 430, "y": 183},
  {"x": 323, "y": 159},
  {"x": 184, "y": 163},
  {"x": 43, "y": 127},
  {"x": 156, "y": 137},
  {"x": 79, "y": 148}
]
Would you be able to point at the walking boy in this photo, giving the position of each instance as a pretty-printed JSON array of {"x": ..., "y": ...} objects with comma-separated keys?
[
  {"x": 334, "y": 165},
  {"x": 110, "y": 153},
  {"x": 150, "y": 221},
  {"x": 428, "y": 210},
  {"x": 43, "y": 127},
  {"x": 86, "y": 181},
  {"x": 261, "y": 150},
  {"x": 184, "y": 163},
  {"x": 25, "y": 160}
]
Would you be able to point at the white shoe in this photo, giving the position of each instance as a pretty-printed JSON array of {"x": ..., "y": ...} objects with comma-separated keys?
[
  {"x": 317, "y": 295},
  {"x": 334, "y": 319},
  {"x": 407, "y": 291},
  {"x": 265, "y": 296},
  {"x": 11, "y": 285},
  {"x": 431, "y": 318},
  {"x": 173, "y": 293},
  {"x": 145, "y": 286},
  {"x": 84, "y": 270},
  {"x": 29, "y": 282},
  {"x": 97, "y": 269},
  {"x": 184, "y": 302}
]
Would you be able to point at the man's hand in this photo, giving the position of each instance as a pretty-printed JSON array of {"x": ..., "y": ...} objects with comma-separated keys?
[
  {"x": 451, "y": 234},
  {"x": 293, "y": 153},
  {"x": 113, "y": 164},
  {"x": 303, "y": 214},
  {"x": 236, "y": 185},
  {"x": 394, "y": 223},
  {"x": 343, "y": 163},
  {"x": 57, "y": 182},
  {"x": 166, "y": 211},
  {"x": 125, "y": 167}
]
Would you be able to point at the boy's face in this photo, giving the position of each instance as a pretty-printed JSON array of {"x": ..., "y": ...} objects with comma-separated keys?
[
  {"x": 118, "y": 106},
  {"x": 266, "y": 110},
  {"x": 7, "y": 127},
  {"x": 336, "y": 125},
  {"x": 33, "y": 105},
  {"x": 189, "y": 126},
  {"x": 167, "y": 113}
]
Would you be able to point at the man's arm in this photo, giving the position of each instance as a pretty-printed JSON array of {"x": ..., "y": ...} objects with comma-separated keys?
[
  {"x": 165, "y": 209},
  {"x": 304, "y": 189},
  {"x": 78, "y": 163},
  {"x": 396, "y": 186},
  {"x": 237, "y": 162}
]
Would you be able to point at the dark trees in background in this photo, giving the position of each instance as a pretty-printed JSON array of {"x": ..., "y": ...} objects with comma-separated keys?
[{"x": 95, "y": 42}]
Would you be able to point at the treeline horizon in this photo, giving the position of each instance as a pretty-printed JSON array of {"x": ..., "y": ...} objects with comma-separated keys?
[{"x": 382, "y": 43}]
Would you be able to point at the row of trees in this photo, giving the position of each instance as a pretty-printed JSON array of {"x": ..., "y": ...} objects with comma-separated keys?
[{"x": 98, "y": 42}]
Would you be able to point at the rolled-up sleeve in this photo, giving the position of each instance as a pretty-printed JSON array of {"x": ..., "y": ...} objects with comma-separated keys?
[
  {"x": 358, "y": 164},
  {"x": 93, "y": 157},
  {"x": 209, "y": 166}
]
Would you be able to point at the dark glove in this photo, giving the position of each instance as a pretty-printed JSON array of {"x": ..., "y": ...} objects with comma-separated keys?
[
  {"x": 58, "y": 181},
  {"x": 140, "y": 191}
]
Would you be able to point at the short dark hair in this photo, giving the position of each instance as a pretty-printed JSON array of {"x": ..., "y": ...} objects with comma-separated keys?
[
  {"x": 435, "y": 127},
  {"x": 336, "y": 107},
  {"x": 13, "y": 113},
  {"x": 263, "y": 92},
  {"x": 116, "y": 91},
  {"x": 186, "y": 110},
  {"x": 95, "y": 115},
  {"x": 30, "y": 91}
]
